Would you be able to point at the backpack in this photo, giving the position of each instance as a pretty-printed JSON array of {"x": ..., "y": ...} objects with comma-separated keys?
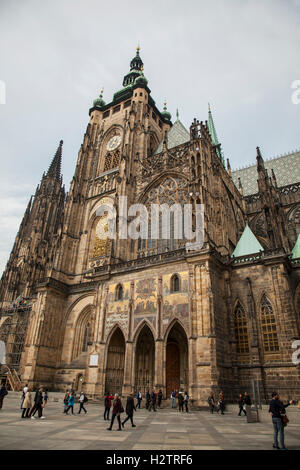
[{"x": 85, "y": 399}]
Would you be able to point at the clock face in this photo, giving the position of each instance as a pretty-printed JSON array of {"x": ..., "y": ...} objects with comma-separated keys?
[{"x": 114, "y": 142}]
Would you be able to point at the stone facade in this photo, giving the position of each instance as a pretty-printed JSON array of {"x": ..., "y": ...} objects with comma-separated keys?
[{"x": 125, "y": 314}]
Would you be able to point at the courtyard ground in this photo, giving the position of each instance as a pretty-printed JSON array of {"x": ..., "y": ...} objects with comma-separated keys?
[{"x": 166, "y": 429}]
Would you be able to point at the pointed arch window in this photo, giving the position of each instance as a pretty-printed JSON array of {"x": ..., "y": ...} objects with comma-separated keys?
[
  {"x": 175, "y": 283},
  {"x": 86, "y": 338},
  {"x": 119, "y": 292},
  {"x": 268, "y": 326},
  {"x": 241, "y": 330}
]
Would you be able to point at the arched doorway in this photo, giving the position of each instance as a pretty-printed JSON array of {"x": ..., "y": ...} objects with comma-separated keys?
[
  {"x": 144, "y": 361},
  {"x": 78, "y": 386},
  {"x": 176, "y": 360},
  {"x": 115, "y": 363}
]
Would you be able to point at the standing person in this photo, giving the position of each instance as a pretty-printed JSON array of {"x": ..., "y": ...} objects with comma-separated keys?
[
  {"x": 27, "y": 404},
  {"x": 211, "y": 402},
  {"x": 221, "y": 404},
  {"x": 107, "y": 404},
  {"x": 3, "y": 393},
  {"x": 82, "y": 400},
  {"x": 277, "y": 410},
  {"x": 139, "y": 399},
  {"x": 148, "y": 399},
  {"x": 159, "y": 398},
  {"x": 152, "y": 403},
  {"x": 66, "y": 399},
  {"x": 186, "y": 401},
  {"x": 241, "y": 402},
  {"x": 180, "y": 401},
  {"x": 173, "y": 398},
  {"x": 25, "y": 389},
  {"x": 117, "y": 410},
  {"x": 71, "y": 402},
  {"x": 37, "y": 407},
  {"x": 130, "y": 407}
]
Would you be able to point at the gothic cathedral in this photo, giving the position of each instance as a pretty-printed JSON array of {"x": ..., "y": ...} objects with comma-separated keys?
[{"x": 97, "y": 314}]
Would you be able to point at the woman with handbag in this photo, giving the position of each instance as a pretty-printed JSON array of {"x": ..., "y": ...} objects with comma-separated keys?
[
  {"x": 117, "y": 410},
  {"x": 279, "y": 419}
]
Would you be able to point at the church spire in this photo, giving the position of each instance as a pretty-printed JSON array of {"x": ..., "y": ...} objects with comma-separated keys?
[
  {"x": 55, "y": 168},
  {"x": 136, "y": 69},
  {"x": 213, "y": 134}
]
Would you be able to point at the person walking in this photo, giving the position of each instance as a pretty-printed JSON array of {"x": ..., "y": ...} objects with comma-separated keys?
[
  {"x": 139, "y": 399},
  {"x": 27, "y": 404},
  {"x": 46, "y": 396},
  {"x": 186, "y": 402},
  {"x": 180, "y": 401},
  {"x": 159, "y": 398},
  {"x": 130, "y": 407},
  {"x": 71, "y": 402},
  {"x": 211, "y": 402},
  {"x": 148, "y": 399},
  {"x": 173, "y": 398},
  {"x": 241, "y": 403},
  {"x": 247, "y": 399},
  {"x": 37, "y": 407},
  {"x": 66, "y": 399},
  {"x": 117, "y": 410},
  {"x": 277, "y": 410},
  {"x": 82, "y": 400},
  {"x": 3, "y": 393},
  {"x": 152, "y": 403},
  {"x": 25, "y": 389},
  {"x": 107, "y": 405}
]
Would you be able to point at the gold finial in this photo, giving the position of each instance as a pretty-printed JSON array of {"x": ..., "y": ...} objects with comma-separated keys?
[
  {"x": 165, "y": 103},
  {"x": 101, "y": 91},
  {"x": 138, "y": 47},
  {"x": 208, "y": 107}
]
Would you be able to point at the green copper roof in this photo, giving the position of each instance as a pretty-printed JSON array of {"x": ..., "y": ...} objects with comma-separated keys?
[
  {"x": 296, "y": 249},
  {"x": 177, "y": 135},
  {"x": 247, "y": 244},
  {"x": 286, "y": 169},
  {"x": 213, "y": 134}
]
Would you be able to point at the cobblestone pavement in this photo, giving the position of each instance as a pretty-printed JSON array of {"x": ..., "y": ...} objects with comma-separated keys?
[{"x": 165, "y": 429}]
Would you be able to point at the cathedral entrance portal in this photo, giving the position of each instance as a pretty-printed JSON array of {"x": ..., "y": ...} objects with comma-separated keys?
[
  {"x": 144, "y": 361},
  {"x": 115, "y": 363},
  {"x": 176, "y": 360}
]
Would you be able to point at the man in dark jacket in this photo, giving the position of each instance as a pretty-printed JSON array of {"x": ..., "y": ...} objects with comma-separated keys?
[
  {"x": 38, "y": 402},
  {"x": 148, "y": 399},
  {"x": 117, "y": 407},
  {"x": 3, "y": 393},
  {"x": 277, "y": 409},
  {"x": 130, "y": 407},
  {"x": 247, "y": 399},
  {"x": 152, "y": 403},
  {"x": 180, "y": 401}
]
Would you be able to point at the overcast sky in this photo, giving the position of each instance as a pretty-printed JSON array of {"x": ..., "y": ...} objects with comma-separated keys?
[{"x": 240, "y": 55}]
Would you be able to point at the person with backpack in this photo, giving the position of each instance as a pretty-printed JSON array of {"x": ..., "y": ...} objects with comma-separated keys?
[
  {"x": 117, "y": 410},
  {"x": 82, "y": 400}
]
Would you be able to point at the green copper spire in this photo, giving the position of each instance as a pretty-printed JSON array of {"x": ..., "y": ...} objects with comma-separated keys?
[
  {"x": 213, "y": 134},
  {"x": 166, "y": 113},
  {"x": 99, "y": 102},
  {"x": 247, "y": 244},
  {"x": 296, "y": 249},
  {"x": 136, "y": 69}
]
